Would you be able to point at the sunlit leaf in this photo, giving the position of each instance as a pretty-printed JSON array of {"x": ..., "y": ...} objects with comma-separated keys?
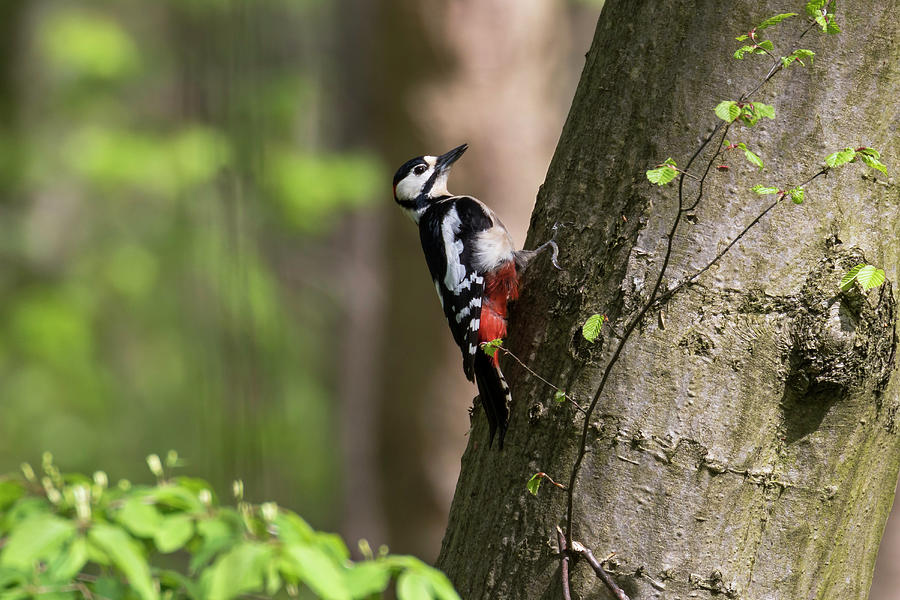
[
  {"x": 39, "y": 537},
  {"x": 534, "y": 484},
  {"x": 126, "y": 556},
  {"x": 591, "y": 328}
]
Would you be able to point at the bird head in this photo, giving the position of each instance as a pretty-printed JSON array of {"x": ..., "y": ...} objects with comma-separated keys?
[{"x": 423, "y": 180}]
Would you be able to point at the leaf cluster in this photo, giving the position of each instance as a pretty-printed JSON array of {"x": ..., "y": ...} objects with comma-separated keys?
[
  {"x": 749, "y": 113},
  {"x": 822, "y": 12},
  {"x": 867, "y": 276},
  {"x": 68, "y": 536},
  {"x": 868, "y": 156}
]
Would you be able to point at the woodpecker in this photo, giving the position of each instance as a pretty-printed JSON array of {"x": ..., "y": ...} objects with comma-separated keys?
[{"x": 475, "y": 269}]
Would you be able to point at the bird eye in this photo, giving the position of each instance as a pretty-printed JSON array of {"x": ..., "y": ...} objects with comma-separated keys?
[{"x": 420, "y": 169}]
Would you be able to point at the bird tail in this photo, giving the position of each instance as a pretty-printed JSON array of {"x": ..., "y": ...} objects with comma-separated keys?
[{"x": 494, "y": 393}]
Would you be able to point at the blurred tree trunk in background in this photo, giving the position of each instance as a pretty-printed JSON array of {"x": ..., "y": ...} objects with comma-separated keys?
[
  {"x": 746, "y": 443},
  {"x": 495, "y": 75}
]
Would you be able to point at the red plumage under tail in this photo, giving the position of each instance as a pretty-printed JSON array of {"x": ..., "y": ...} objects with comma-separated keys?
[{"x": 494, "y": 393}]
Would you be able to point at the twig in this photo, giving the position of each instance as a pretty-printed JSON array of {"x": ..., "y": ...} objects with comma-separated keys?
[
  {"x": 616, "y": 591},
  {"x": 665, "y": 297},
  {"x": 543, "y": 475},
  {"x": 542, "y": 380},
  {"x": 563, "y": 563}
]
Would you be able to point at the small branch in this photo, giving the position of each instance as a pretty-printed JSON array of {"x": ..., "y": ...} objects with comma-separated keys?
[
  {"x": 541, "y": 379},
  {"x": 616, "y": 591},
  {"x": 543, "y": 475},
  {"x": 563, "y": 563},
  {"x": 663, "y": 298}
]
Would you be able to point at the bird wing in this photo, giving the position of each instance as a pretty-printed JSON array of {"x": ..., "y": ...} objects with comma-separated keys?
[{"x": 446, "y": 231}]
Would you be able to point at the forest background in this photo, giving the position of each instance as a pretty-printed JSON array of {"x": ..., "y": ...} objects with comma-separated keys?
[{"x": 199, "y": 250}]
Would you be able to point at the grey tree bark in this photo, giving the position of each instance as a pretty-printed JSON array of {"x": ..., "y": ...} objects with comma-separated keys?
[{"x": 746, "y": 442}]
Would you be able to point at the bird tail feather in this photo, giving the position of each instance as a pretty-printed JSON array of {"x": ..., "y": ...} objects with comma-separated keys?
[{"x": 495, "y": 395}]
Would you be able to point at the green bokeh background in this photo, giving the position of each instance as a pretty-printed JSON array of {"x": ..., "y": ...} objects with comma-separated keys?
[{"x": 167, "y": 184}]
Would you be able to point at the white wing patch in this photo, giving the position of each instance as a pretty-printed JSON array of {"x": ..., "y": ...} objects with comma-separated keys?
[{"x": 453, "y": 247}]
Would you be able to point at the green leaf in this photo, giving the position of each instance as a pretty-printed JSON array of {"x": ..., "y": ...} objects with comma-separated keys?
[
  {"x": 848, "y": 279},
  {"x": 38, "y": 537},
  {"x": 173, "y": 533},
  {"x": 10, "y": 491},
  {"x": 728, "y": 110},
  {"x": 534, "y": 484},
  {"x": 663, "y": 174},
  {"x": 764, "y": 190},
  {"x": 140, "y": 517},
  {"x": 775, "y": 20},
  {"x": 741, "y": 38},
  {"x": 841, "y": 157},
  {"x": 559, "y": 396},
  {"x": 411, "y": 585},
  {"x": 869, "y": 152},
  {"x": 815, "y": 7},
  {"x": 873, "y": 162},
  {"x": 490, "y": 348},
  {"x": 367, "y": 578},
  {"x": 318, "y": 571},
  {"x": 832, "y": 26},
  {"x": 823, "y": 22},
  {"x": 797, "y": 194},
  {"x": 70, "y": 562},
  {"x": 440, "y": 585},
  {"x": 765, "y": 45},
  {"x": 126, "y": 556},
  {"x": 237, "y": 572},
  {"x": 764, "y": 110},
  {"x": 753, "y": 158},
  {"x": 798, "y": 55},
  {"x": 740, "y": 52},
  {"x": 870, "y": 277},
  {"x": 591, "y": 328}
]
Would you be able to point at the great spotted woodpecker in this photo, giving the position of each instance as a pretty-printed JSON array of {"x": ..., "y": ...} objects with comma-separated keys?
[{"x": 475, "y": 269}]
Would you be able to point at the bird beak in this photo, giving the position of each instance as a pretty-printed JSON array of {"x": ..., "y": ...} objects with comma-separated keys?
[{"x": 445, "y": 160}]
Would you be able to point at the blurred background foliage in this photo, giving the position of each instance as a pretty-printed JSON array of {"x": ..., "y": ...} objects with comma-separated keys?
[{"x": 162, "y": 165}]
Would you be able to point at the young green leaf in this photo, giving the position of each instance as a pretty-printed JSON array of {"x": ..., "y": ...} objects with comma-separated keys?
[
  {"x": 728, "y": 110},
  {"x": 126, "y": 555},
  {"x": 559, "y": 396},
  {"x": 740, "y": 52},
  {"x": 870, "y": 157},
  {"x": 411, "y": 585},
  {"x": 753, "y": 158},
  {"x": 832, "y": 26},
  {"x": 841, "y": 157},
  {"x": 814, "y": 7},
  {"x": 796, "y": 195},
  {"x": 534, "y": 484},
  {"x": 490, "y": 348},
  {"x": 798, "y": 55},
  {"x": 764, "y": 190},
  {"x": 868, "y": 277},
  {"x": 764, "y": 45},
  {"x": 37, "y": 537},
  {"x": 764, "y": 110},
  {"x": 664, "y": 173},
  {"x": 775, "y": 20},
  {"x": 591, "y": 328}
]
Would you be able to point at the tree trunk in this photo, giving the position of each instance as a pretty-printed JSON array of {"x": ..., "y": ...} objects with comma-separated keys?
[{"x": 745, "y": 442}]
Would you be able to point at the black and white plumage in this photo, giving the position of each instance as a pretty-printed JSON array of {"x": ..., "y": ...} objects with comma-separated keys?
[{"x": 474, "y": 266}]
